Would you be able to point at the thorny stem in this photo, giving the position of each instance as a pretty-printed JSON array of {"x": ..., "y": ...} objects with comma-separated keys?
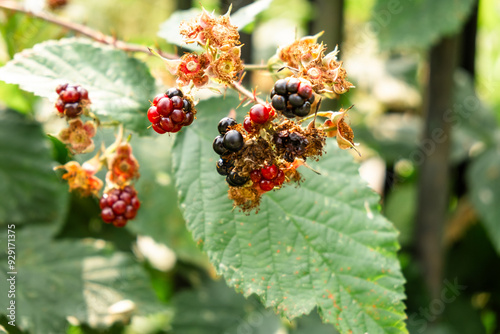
[
  {"x": 81, "y": 29},
  {"x": 109, "y": 40}
]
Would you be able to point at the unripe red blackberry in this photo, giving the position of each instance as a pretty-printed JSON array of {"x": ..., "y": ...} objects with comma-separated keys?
[
  {"x": 292, "y": 97},
  {"x": 119, "y": 205},
  {"x": 173, "y": 111},
  {"x": 72, "y": 100}
]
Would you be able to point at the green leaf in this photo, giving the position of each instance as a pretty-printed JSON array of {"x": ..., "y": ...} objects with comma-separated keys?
[
  {"x": 30, "y": 191},
  {"x": 80, "y": 279},
  {"x": 246, "y": 15},
  {"x": 322, "y": 245},
  {"x": 213, "y": 308},
  {"x": 417, "y": 24},
  {"x": 483, "y": 177},
  {"x": 119, "y": 86}
]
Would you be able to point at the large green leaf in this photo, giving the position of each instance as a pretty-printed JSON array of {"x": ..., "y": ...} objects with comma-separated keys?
[
  {"x": 322, "y": 245},
  {"x": 81, "y": 279},
  {"x": 483, "y": 178},
  {"x": 119, "y": 86},
  {"x": 417, "y": 24},
  {"x": 30, "y": 191}
]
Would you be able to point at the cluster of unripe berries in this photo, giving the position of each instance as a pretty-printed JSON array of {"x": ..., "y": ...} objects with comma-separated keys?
[
  {"x": 292, "y": 97},
  {"x": 119, "y": 205},
  {"x": 72, "y": 100},
  {"x": 267, "y": 178},
  {"x": 171, "y": 111},
  {"x": 228, "y": 141}
]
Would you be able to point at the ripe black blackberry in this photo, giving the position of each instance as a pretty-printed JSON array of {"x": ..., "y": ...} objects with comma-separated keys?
[
  {"x": 229, "y": 141},
  {"x": 119, "y": 205},
  {"x": 292, "y": 97},
  {"x": 171, "y": 111}
]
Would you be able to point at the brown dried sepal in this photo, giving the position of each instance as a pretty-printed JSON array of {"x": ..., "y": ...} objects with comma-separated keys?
[
  {"x": 78, "y": 136},
  {"x": 246, "y": 198},
  {"x": 254, "y": 155}
]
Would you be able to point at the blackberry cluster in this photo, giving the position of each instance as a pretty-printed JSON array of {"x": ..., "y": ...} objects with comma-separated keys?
[
  {"x": 293, "y": 144},
  {"x": 229, "y": 141},
  {"x": 267, "y": 177},
  {"x": 292, "y": 97},
  {"x": 171, "y": 111},
  {"x": 72, "y": 100},
  {"x": 119, "y": 205}
]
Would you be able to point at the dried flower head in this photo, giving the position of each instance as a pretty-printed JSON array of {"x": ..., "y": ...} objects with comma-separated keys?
[
  {"x": 325, "y": 73},
  {"x": 78, "y": 136},
  {"x": 123, "y": 166},
  {"x": 81, "y": 178},
  {"x": 206, "y": 29},
  {"x": 192, "y": 67},
  {"x": 227, "y": 66},
  {"x": 338, "y": 127}
]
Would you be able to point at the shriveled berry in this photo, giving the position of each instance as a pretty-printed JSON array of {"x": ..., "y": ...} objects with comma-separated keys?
[
  {"x": 107, "y": 215},
  {"x": 233, "y": 140},
  {"x": 266, "y": 185},
  {"x": 259, "y": 114},
  {"x": 280, "y": 178},
  {"x": 177, "y": 102},
  {"x": 280, "y": 87},
  {"x": 218, "y": 146},
  {"x": 278, "y": 102},
  {"x": 189, "y": 119},
  {"x": 224, "y": 167},
  {"x": 295, "y": 100},
  {"x": 305, "y": 91},
  {"x": 157, "y": 127},
  {"x": 255, "y": 176},
  {"x": 236, "y": 180},
  {"x": 72, "y": 110},
  {"x": 292, "y": 85},
  {"x": 119, "y": 207},
  {"x": 247, "y": 124},
  {"x": 303, "y": 110},
  {"x": 178, "y": 116},
  {"x": 153, "y": 115},
  {"x": 269, "y": 172},
  {"x": 224, "y": 124},
  {"x": 165, "y": 107},
  {"x": 174, "y": 92},
  {"x": 167, "y": 124}
]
